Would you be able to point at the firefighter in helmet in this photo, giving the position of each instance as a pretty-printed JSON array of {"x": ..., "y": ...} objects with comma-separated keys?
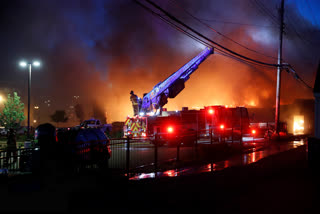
[{"x": 135, "y": 103}]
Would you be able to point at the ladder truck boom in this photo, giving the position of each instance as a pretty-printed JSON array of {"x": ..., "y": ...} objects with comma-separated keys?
[{"x": 172, "y": 86}]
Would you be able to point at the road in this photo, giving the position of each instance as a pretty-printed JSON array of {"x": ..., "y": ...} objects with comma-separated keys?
[
  {"x": 143, "y": 153},
  {"x": 235, "y": 161}
]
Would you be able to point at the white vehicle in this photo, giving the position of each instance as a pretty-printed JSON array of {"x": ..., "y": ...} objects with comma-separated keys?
[
  {"x": 3, "y": 131},
  {"x": 95, "y": 123}
]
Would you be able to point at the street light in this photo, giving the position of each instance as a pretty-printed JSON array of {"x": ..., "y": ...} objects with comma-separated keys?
[{"x": 29, "y": 64}]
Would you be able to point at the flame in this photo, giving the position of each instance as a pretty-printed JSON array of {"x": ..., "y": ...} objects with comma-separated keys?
[
  {"x": 253, "y": 103},
  {"x": 298, "y": 124}
]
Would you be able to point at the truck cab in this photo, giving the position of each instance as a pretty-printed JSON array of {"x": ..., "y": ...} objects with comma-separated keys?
[
  {"x": 95, "y": 123},
  {"x": 91, "y": 123}
]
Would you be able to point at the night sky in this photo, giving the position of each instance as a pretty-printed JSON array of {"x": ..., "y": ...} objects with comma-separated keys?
[{"x": 101, "y": 49}]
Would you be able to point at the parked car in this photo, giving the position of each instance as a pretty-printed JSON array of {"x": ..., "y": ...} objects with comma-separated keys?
[
  {"x": 95, "y": 123},
  {"x": 3, "y": 131}
]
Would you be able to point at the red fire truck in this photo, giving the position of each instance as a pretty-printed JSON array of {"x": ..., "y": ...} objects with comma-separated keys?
[{"x": 187, "y": 126}]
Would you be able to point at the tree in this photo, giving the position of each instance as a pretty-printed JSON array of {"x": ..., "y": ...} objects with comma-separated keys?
[
  {"x": 79, "y": 112},
  {"x": 59, "y": 117},
  {"x": 12, "y": 114}
]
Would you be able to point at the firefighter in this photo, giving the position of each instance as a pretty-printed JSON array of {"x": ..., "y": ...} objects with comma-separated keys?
[{"x": 135, "y": 103}]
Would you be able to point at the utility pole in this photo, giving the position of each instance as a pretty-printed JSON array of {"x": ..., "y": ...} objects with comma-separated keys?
[
  {"x": 29, "y": 89},
  {"x": 277, "y": 116}
]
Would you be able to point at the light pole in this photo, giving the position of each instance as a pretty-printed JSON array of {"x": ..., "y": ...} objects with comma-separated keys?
[{"x": 29, "y": 64}]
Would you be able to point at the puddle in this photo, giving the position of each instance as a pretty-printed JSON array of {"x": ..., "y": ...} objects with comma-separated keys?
[{"x": 239, "y": 160}]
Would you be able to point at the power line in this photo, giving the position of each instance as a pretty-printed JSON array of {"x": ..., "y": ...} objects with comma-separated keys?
[
  {"x": 293, "y": 29},
  {"x": 206, "y": 38},
  {"x": 236, "y": 23},
  {"x": 265, "y": 11},
  {"x": 224, "y": 50},
  {"x": 292, "y": 71},
  {"x": 219, "y": 33},
  {"x": 204, "y": 42},
  {"x": 177, "y": 27},
  {"x": 315, "y": 20}
]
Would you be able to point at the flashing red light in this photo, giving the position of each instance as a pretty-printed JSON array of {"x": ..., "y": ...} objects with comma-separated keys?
[
  {"x": 129, "y": 132},
  {"x": 143, "y": 134},
  {"x": 253, "y": 131},
  {"x": 211, "y": 111},
  {"x": 170, "y": 129},
  {"x": 222, "y": 126}
]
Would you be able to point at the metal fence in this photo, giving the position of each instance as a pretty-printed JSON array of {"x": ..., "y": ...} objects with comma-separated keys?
[
  {"x": 16, "y": 160},
  {"x": 141, "y": 155},
  {"x": 127, "y": 155},
  {"x": 156, "y": 153}
]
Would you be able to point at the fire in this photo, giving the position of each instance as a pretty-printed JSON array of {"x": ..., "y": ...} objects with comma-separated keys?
[
  {"x": 298, "y": 124},
  {"x": 252, "y": 103}
]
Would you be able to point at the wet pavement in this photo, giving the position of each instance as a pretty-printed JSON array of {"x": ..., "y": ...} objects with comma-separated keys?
[
  {"x": 273, "y": 180},
  {"x": 250, "y": 157}
]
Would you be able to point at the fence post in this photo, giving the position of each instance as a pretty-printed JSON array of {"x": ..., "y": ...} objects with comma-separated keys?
[
  {"x": 156, "y": 152},
  {"x": 128, "y": 156},
  {"x": 211, "y": 135}
]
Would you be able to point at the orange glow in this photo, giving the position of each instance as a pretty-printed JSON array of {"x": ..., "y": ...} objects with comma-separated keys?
[
  {"x": 298, "y": 124},
  {"x": 214, "y": 83},
  {"x": 211, "y": 111},
  {"x": 252, "y": 103},
  {"x": 170, "y": 129},
  {"x": 171, "y": 173}
]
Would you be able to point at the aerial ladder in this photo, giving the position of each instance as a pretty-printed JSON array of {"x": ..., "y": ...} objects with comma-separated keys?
[{"x": 153, "y": 101}]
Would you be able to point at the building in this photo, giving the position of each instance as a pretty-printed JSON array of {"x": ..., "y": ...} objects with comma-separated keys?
[{"x": 299, "y": 116}]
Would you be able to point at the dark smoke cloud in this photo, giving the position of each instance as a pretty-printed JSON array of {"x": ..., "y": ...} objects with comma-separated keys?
[{"x": 101, "y": 50}]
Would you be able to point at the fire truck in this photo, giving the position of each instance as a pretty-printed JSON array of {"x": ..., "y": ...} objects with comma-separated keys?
[{"x": 184, "y": 126}]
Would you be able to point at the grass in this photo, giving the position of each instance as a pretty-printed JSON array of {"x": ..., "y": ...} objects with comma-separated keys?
[{"x": 19, "y": 138}]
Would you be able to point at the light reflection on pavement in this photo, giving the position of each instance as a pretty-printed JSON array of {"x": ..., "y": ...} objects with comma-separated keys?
[{"x": 239, "y": 160}]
